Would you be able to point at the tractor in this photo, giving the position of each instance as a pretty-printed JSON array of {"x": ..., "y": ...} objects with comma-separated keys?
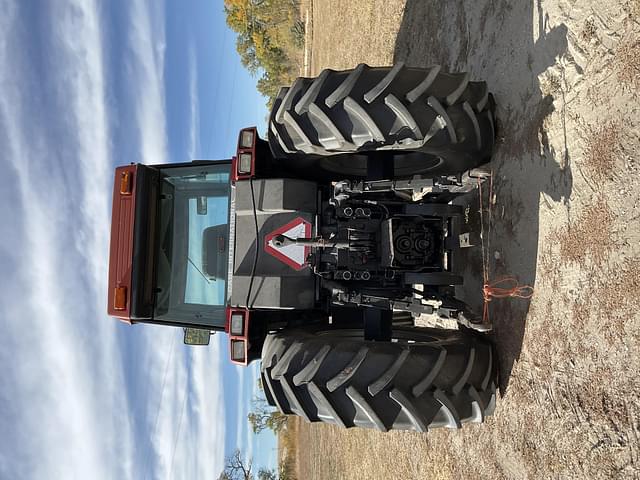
[{"x": 316, "y": 248}]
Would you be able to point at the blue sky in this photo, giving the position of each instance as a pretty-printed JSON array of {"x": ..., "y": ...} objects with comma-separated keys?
[{"x": 85, "y": 86}]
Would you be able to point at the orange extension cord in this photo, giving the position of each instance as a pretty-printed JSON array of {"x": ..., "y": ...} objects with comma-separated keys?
[{"x": 504, "y": 287}]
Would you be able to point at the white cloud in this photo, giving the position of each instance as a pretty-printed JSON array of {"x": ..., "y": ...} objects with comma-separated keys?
[
  {"x": 188, "y": 438},
  {"x": 67, "y": 402},
  {"x": 194, "y": 109},
  {"x": 146, "y": 41},
  {"x": 241, "y": 427},
  {"x": 56, "y": 371}
]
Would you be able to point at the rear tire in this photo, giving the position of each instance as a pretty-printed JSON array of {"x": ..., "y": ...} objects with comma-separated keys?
[
  {"x": 444, "y": 379},
  {"x": 430, "y": 122}
]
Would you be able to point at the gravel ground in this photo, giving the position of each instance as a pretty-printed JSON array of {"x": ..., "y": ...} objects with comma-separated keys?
[{"x": 566, "y": 76}]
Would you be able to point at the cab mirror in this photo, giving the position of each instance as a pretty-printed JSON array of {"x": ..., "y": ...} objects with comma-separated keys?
[{"x": 196, "y": 336}]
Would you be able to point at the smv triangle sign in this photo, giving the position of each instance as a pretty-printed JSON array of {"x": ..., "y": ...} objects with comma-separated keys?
[{"x": 293, "y": 255}]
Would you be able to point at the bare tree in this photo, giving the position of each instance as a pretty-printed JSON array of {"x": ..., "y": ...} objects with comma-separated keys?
[{"x": 236, "y": 468}]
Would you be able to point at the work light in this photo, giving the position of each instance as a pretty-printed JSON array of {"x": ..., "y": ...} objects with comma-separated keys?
[
  {"x": 238, "y": 350},
  {"x": 244, "y": 163},
  {"x": 237, "y": 324},
  {"x": 246, "y": 139}
]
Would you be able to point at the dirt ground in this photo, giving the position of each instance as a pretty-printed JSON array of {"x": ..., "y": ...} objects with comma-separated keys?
[{"x": 566, "y": 76}]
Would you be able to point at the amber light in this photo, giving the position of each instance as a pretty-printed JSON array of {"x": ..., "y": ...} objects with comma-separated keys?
[
  {"x": 120, "y": 298},
  {"x": 125, "y": 183}
]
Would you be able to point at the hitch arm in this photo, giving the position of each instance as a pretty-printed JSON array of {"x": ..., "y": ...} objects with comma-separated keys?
[{"x": 319, "y": 242}]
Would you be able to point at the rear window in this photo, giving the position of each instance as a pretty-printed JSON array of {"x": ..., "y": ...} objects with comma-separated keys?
[{"x": 192, "y": 256}]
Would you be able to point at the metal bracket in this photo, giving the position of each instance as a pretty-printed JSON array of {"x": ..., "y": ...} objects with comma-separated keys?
[
  {"x": 465, "y": 240},
  {"x": 463, "y": 183}
]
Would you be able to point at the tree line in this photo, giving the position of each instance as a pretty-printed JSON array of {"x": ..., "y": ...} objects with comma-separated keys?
[
  {"x": 270, "y": 37},
  {"x": 262, "y": 417}
]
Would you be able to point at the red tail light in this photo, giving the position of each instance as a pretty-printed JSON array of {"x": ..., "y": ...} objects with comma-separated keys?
[
  {"x": 244, "y": 162},
  {"x": 239, "y": 352},
  {"x": 237, "y": 326}
]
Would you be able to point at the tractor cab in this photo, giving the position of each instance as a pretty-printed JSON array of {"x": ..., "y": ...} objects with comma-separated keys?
[
  {"x": 169, "y": 244},
  {"x": 169, "y": 260},
  {"x": 173, "y": 241}
]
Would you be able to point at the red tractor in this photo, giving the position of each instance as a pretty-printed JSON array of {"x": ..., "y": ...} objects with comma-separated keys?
[{"x": 315, "y": 249}]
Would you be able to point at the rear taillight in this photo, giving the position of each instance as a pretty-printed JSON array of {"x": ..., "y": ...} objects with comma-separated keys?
[
  {"x": 239, "y": 351},
  {"x": 237, "y": 326},
  {"x": 247, "y": 138},
  {"x": 244, "y": 161}
]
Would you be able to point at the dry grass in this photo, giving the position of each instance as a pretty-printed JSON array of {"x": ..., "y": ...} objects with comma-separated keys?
[
  {"x": 288, "y": 448},
  {"x": 633, "y": 9},
  {"x": 347, "y": 46},
  {"x": 549, "y": 266},
  {"x": 358, "y": 454},
  {"x": 627, "y": 60},
  {"x": 581, "y": 312},
  {"x": 618, "y": 293},
  {"x": 603, "y": 148},
  {"x": 589, "y": 30},
  {"x": 589, "y": 237},
  {"x": 550, "y": 83}
]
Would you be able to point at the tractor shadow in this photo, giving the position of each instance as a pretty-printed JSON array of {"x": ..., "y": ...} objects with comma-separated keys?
[{"x": 509, "y": 44}]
